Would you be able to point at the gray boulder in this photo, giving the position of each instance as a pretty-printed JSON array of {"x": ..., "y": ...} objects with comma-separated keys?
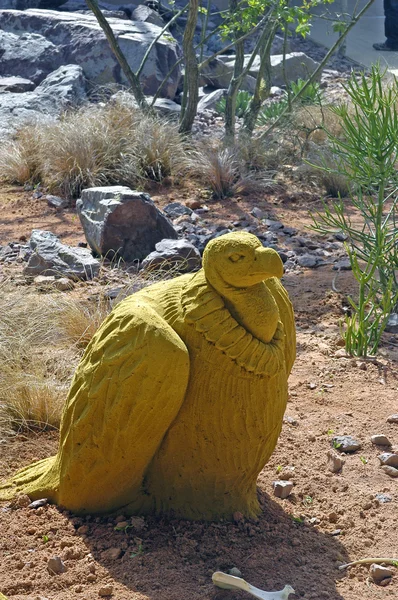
[
  {"x": 63, "y": 88},
  {"x": 118, "y": 221},
  {"x": 297, "y": 65},
  {"x": 28, "y": 55},
  {"x": 218, "y": 73},
  {"x": 16, "y": 84},
  {"x": 210, "y": 101},
  {"x": 51, "y": 257},
  {"x": 147, "y": 15},
  {"x": 72, "y": 38},
  {"x": 173, "y": 254}
]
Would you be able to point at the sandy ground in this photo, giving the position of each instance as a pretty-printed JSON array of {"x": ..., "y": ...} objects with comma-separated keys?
[{"x": 329, "y": 518}]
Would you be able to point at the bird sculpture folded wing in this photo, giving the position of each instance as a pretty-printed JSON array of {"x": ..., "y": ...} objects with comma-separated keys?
[{"x": 178, "y": 401}]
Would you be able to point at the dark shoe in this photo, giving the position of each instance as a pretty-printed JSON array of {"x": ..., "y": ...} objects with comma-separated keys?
[{"x": 385, "y": 47}]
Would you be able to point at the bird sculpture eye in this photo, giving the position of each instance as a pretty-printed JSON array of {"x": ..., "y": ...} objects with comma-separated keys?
[{"x": 236, "y": 257}]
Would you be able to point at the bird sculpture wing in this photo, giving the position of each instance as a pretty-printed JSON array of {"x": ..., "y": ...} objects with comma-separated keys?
[
  {"x": 286, "y": 315},
  {"x": 126, "y": 392}
]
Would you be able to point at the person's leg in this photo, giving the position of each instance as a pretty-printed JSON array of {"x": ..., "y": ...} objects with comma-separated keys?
[{"x": 390, "y": 27}]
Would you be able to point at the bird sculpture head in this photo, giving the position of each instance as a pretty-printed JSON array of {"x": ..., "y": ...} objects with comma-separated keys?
[{"x": 239, "y": 260}]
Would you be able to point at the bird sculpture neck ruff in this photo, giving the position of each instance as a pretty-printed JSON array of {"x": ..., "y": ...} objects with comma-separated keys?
[{"x": 178, "y": 401}]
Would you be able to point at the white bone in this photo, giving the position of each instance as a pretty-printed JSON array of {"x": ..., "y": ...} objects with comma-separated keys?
[{"x": 229, "y": 582}]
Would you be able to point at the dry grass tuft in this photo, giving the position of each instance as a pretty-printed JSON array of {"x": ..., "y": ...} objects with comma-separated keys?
[
  {"x": 41, "y": 341},
  {"x": 113, "y": 143}
]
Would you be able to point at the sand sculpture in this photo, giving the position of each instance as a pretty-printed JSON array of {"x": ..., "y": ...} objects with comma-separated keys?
[{"x": 178, "y": 401}]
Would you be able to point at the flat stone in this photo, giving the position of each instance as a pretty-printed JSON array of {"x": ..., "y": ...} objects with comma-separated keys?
[
  {"x": 392, "y": 323},
  {"x": 51, "y": 257},
  {"x": 378, "y": 573},
  {"x": 389, "y": 458},
  {"x": 169, "y": 254},
  {"x": 308, "y": 261},
  {"x": 55, "y": 566},
  {"x": 282, "y": 489},
  {"x": 342, "y": 265},
  {"x": 176, "y": 209},
  {"x": 16, "y": 84},
  {"x": 391, "y": 471},
  {"x": 335, "y": 462},
  {"x": 393, "y": 419},
  {"x": 57, "y": 202},
  {"x": 380, "y": 440},
  {"x": 345, "y": 443},
  {"x": 38, "y": 503}
]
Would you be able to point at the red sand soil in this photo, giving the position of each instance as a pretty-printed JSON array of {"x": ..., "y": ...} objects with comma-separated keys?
[{"x": 329, "y": 518}]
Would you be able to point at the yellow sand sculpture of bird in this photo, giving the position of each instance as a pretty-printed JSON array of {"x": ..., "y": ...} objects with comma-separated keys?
[{"x": 178, "y": 401}]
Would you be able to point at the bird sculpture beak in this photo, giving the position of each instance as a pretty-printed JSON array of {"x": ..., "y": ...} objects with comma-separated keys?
[{"x": 268, "y": 263}]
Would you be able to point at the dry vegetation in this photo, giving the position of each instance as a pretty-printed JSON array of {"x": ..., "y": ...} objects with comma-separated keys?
[
  {"x": 41, "y": 341},
  {"x": 114, "y": 143}
]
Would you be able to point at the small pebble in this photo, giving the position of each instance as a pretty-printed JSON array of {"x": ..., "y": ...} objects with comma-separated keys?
[
  {"x": 335, "y": 463},
  {"x": 282, "y": 489},
  {"x": 383, "y": 498},
  {"x": 378, "y": 573},
  {"x": 390, "y": 471},
  {"x": 392, "y": 419},
  {"x": 112, "y": 554},
  {"x": 345, "y": 443},
  {"x": 333, "y": 517},
  {"x": 235, "y": 572},
  {"x": 105, "y": 590},
  {"x": 55, "y": 566},
  {"x": 38, "y": 503},
  {"x": 389, "y": 458},
  {"x": 380, "y": 440}
]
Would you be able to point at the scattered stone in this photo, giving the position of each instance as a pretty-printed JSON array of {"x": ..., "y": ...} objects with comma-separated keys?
[
  {"x": 257, "y": 212},
  {"x": 176, "y": 209},
  {"x": 335, "y": 462},
  {"x": 235, "y": 572},
  {"x": 345, "y": 443},
  {"x": 238, "y": 517},
  {"x": 380, "y": 440},
  {"x": 55, "y": 566},
  {"x": 105, "y": 590},
  {"x": 393, "y": 419},
  {"x": 37, "y": 503},
  {"x": 341, "y": 353},
  {"x": 63, "y": 284},
  {"x": 342, "y": 265},
  {"x": 282, "y": 489},
  {"x": 16, "y": 84},
  {"x": 389, "y": 458},
  {"x": 290, "y": 421},
  {"x": 50, "y": 257},
  {"x": 308, "y": 261},
  {"x": 112, "y": 554},
  {"x": 378, "y": 572},
  {"x": 391, "y": 471},
  {"x": 383, "y": 498},
  {"x": 392, "y": 323},
  {"x": 210, "y": 101},
  {"x": 118, "y": 221},
  {"x": 138, "y": 523},
  {"x": 57, "y": 202},
  {"x": 170, "y": 254}
]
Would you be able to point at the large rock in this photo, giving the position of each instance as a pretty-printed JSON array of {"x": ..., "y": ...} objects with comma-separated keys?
[
  {"x": 147, "y": 15},
  {"x": 173, "y": 254},
  {"x": 52, "y": 257},
  {"x": 210, "y": 101},
  {"x": 218, "y": 73},
  {"x": 16, "y": 84},
  {"x": 61, "y": 89},
  {"x": 297, "y": 66},
  {"x": 68, "y": 38},
  {"x": 118, "y": 221}
]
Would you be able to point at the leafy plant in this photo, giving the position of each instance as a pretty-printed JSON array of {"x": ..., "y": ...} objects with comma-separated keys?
[
  {"x": 367, "y": 153},
  {"x": 312, "y": 93},
  {"x": 243, "y": 99}
]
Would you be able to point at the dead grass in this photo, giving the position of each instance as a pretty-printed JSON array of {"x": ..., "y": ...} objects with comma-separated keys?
[
  {"x": 41, "y": 341},
  {"x": 96, "y": 145}
]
